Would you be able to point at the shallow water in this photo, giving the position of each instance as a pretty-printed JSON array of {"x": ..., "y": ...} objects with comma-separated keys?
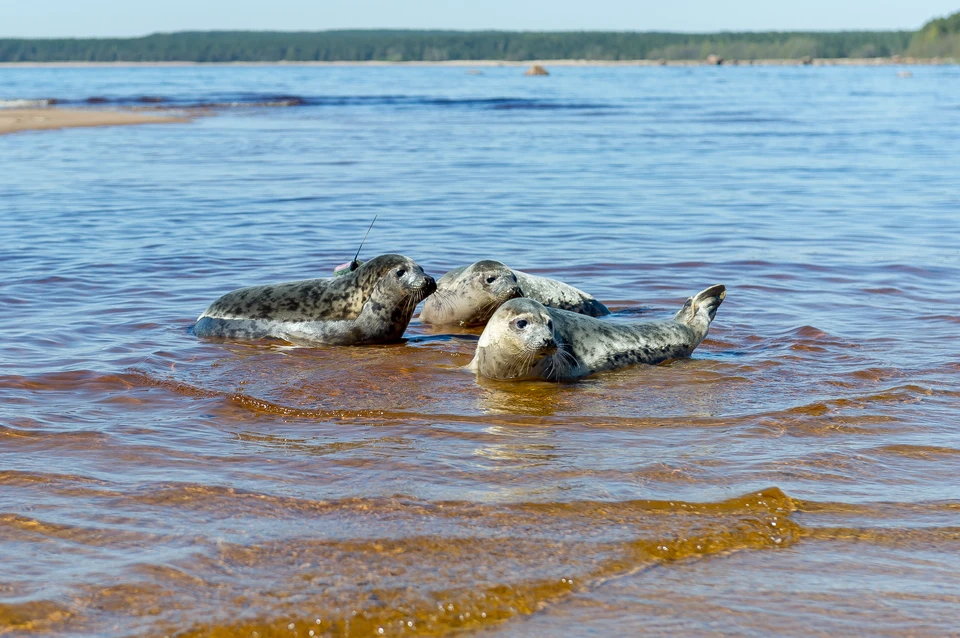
[{"x": 797, "y": 476}]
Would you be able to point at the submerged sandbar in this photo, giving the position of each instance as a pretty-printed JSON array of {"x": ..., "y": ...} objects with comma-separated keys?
[{"x": 16, "y": 120}]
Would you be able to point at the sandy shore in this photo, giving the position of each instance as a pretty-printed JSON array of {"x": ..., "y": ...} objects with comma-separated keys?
[
  {"x": 14, "y": 120},
  {"x": 894, "y": 61}
]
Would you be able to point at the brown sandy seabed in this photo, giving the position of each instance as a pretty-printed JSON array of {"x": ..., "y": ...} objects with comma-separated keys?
[{"x": 477, "y": 572}]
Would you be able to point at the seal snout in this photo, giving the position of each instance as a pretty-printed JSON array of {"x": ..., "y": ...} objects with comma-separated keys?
[
  {"x": 549, "y": 346},
  {"x": 423, "y": 287},
  {"x": 429, "y": 285}
]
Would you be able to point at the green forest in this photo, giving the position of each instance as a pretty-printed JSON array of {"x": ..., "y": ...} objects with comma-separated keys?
[{"x": 939, "y": 37}]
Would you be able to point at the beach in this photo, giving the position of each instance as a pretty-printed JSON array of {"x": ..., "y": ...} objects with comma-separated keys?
[{"x": 34, "y": 119}]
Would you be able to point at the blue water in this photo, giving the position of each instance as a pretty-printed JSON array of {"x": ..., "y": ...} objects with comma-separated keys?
[{"x": 152, "y": 483}]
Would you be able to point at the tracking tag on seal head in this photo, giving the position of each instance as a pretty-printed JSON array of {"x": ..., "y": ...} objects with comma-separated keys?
[{"x": 355, "y": 263}]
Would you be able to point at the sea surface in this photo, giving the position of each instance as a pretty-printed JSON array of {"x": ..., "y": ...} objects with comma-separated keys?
[{"x": 798, "y": 476}]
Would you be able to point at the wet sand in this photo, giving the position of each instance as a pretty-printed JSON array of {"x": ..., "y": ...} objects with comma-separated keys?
[{"x": 16, "y": 120}]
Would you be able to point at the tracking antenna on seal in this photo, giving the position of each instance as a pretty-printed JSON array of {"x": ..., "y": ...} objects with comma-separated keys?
[{"x": 355, "y": 263}]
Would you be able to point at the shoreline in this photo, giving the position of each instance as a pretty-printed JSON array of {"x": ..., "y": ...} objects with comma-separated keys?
[
  {"x": 892, "y": 61},
  {"x": 16, "y": 120}
]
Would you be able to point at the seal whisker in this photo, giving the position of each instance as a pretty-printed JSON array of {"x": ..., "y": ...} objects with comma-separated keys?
[
  {"x": 549, "y": 368},
  {"x": 564, "y": 360},
  {"x": 444, "y": 304},
  {"x": 486, "y": 311},
  {"x": 528, "y": 363}
]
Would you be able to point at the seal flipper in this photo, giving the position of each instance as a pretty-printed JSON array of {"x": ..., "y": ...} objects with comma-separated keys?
[{"x": 700, "y": 309}]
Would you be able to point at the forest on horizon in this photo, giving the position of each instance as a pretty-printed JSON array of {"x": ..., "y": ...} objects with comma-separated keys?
[{"x": 938, "y": 38}]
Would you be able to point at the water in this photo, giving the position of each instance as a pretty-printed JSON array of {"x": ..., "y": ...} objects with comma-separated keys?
[{"x": 797, "y": 476}]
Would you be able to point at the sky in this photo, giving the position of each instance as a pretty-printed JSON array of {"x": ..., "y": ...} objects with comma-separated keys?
[{"x": 124, "y": 18}]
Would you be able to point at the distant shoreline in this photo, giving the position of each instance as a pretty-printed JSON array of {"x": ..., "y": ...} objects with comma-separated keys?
[{"x": 889, "y": 61}]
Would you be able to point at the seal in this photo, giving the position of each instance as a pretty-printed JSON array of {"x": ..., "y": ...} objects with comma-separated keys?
[
  {"x": 526, "y": 340},
  {"x": 471, "y": 294},
  {"x": 372, "y": 304}
]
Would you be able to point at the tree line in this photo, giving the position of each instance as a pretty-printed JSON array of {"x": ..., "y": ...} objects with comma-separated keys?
[
  {"x": 938, "y": 38},
  {"x": 394, "y": 45}
]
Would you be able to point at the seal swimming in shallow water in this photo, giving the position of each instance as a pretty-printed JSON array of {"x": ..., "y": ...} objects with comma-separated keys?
[
  {"x": 372, "y": 304},
  {"x": 526, "y": 340},
  {"x": 471, "y": 294}
]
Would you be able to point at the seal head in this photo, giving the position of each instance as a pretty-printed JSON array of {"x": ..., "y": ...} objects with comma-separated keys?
[
  {"x": 387, "y": 312},
  {"x": 518, "y": 338},
  {"x": 469, "y": 296}
]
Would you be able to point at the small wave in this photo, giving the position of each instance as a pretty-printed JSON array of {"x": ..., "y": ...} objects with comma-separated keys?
[
  {"x": 25, "y": 528},
  {"x": 633, "y": 311},
  {"x": 246, "y": 100},
  {"x": 26, "y": 104},
  {"x": 22, "y": 479},
  {"x": 940, "y": 318},
  {"x": 917, "y": 451}
]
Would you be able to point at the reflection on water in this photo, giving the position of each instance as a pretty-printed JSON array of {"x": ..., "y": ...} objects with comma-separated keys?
[{"x": 797, "y": 475}]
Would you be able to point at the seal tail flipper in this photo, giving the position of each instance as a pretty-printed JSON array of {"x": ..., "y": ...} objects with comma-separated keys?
[{"x": 702, "y": 305}]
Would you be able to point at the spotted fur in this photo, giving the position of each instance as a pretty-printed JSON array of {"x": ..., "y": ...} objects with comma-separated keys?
[
  {"x": 526, "y": 340},
  {"x": 373, "y": 304}
]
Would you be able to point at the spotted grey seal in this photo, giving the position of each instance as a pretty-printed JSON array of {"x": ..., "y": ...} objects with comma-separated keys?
[
  {"x": 471, "y": 294},
  {"x": 526, "y": 340},
  {"x": 372, "y": 304}
]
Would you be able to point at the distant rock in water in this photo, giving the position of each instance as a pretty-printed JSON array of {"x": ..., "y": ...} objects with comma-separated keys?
[
  {"x": 714, "y": 59},
  {"x": 474, "y": 72},
  {"x": 536, "y": 69},
  {"x": 904, "y": 74}
]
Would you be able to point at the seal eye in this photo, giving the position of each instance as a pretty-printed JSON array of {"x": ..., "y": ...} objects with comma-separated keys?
[
  {"x": 401, "y": 273},
  {"x": 522, "y": 324},
  {"x": 491, "y": 279}
]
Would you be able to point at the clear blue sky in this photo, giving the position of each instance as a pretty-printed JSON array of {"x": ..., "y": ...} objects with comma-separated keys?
[{"x": 90, "y": 18}]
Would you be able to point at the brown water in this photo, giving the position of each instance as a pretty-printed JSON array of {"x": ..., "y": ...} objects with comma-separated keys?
[{"x": 797, "y": 476}]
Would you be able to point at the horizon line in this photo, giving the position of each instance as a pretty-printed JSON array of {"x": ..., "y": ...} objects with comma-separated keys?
[{"x": 445, "y": 30}]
